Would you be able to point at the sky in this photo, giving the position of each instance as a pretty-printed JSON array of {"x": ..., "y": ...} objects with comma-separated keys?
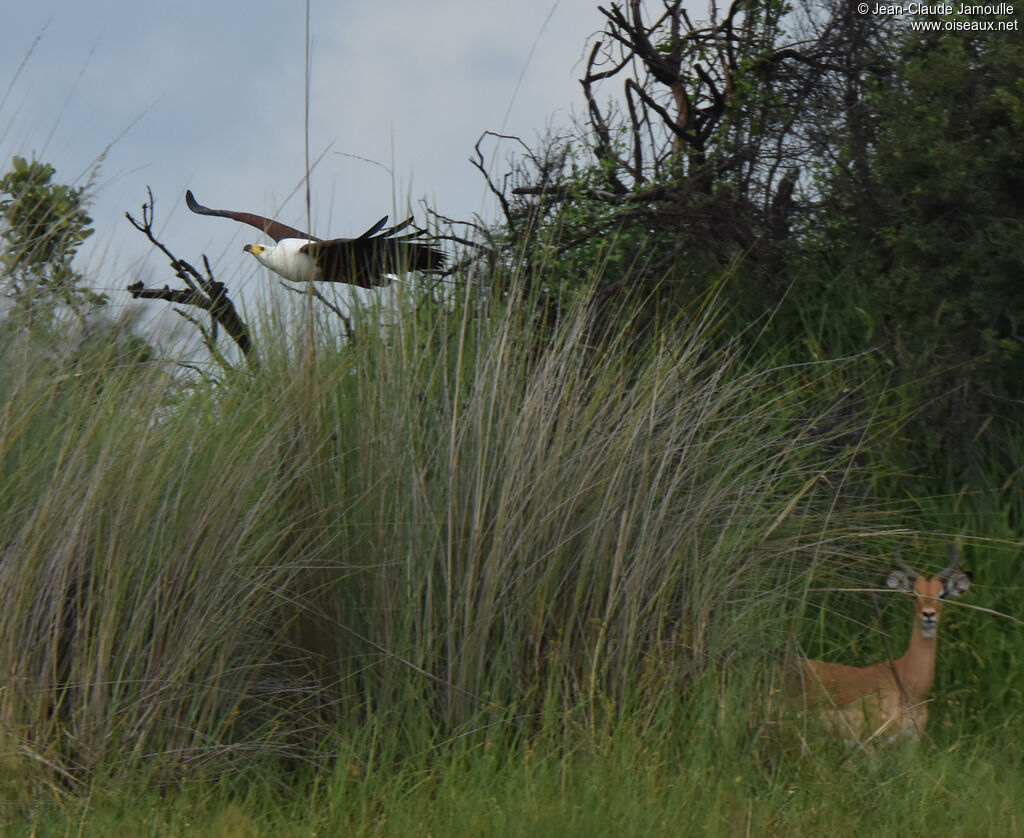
[{"x": 209, "y": 95}]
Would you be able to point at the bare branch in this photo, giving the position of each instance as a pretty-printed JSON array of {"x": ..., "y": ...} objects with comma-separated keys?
[{"x": 202, "y": 291}]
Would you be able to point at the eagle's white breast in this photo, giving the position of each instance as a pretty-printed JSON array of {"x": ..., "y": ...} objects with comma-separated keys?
[{"x": 287, "y": 260}]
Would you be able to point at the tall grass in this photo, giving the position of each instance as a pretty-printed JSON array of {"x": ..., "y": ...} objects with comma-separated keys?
[
  {"x": 146, "y": 544},
  {"x": 448, "y": 529}
]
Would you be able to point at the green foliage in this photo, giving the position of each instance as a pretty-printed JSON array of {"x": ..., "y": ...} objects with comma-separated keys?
[
  {"x": 443, "y": 566},
  {"x": 399, "y": 493},
  {"x": 916, "y": 256},
  {"x": 862, "y": 189},
  {"x": 43, "y": 225},
  {"x": 678, "y": 178},
  {"x": 612, "y": 782},
  {"x": 950, "y": 174}
]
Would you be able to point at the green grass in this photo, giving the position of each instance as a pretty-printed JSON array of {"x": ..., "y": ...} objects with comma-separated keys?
[
  {"x": 456, "y": 578},
  {"x": 614, "y": 784}
]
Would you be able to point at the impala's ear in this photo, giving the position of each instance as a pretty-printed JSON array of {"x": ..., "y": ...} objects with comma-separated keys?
[
  {"x": 956, "y": 584},
  {"x": 901, "y": 580}
]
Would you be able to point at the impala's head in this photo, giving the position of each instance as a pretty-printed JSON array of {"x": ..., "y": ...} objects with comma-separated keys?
[{"x": 929, "y": 593}]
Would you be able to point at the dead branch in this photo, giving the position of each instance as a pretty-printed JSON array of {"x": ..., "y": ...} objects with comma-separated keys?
[
  {"x": 202, "y": 292},
  {"x": 480, "y": 164},
  {"x": 688, "y": 135}
]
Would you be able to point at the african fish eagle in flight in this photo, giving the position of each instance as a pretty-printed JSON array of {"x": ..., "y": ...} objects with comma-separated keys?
[{"x": 364, "y": 261}]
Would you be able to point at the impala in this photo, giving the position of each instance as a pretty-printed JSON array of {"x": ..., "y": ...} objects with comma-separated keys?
[{"x": 890, "y": 697}]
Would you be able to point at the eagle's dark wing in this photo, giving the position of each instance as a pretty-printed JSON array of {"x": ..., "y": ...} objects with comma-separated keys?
[
  {"x": 275, "y": 229},
  {"x": 364, "y": 261},
  {"x": 375, "y": 229}
]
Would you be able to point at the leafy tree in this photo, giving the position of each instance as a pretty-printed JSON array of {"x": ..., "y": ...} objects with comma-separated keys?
[
  {"x": 666, "y": 180},
  {"x": 42, "y": 225},
  {"x": 696, "y": 155},
  {"x": 927, "y": 236},
  {"x": 950, "y": 175}
]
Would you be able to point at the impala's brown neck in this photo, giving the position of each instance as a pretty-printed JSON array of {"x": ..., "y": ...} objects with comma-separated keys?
[{"x": 916, "y": 669}]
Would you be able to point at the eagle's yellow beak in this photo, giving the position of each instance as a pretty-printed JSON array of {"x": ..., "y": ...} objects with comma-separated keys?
[{"x": 254, "y": 249}]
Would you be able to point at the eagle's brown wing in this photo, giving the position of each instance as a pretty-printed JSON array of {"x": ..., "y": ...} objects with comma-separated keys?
[{"x": 275, "y": 229}]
